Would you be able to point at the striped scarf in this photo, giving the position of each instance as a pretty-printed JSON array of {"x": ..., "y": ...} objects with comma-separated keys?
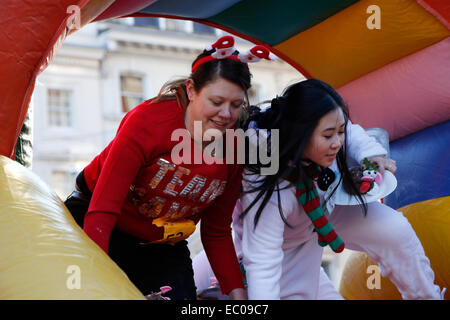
[{"x": 324, "y": 229}]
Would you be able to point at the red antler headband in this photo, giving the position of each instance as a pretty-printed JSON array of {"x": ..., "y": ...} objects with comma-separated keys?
[{"x": 225, "y": 49}]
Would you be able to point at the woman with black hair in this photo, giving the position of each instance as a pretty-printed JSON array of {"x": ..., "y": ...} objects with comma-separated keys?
[{"x": 281, "y": 254}]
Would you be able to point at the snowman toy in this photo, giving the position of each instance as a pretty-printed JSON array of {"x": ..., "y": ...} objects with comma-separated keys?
[{"x": 370, "y": 176}]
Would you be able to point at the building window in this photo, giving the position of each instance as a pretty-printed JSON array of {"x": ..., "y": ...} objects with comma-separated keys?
[
  {"x": 63, "y": 182},
  {"x": 132, "y": 91},
  {"x": 59, "y": 104},
  {"x": 147, "y": 22},
  {"x": 60, "y": 183},
  {"x": 204, "y": 29},
  {"x": 129, "y": 21},
  {"x": 176, "y": 25}
]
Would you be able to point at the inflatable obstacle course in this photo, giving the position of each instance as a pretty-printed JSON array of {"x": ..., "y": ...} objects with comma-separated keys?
[{"x": 389, "y": 59}]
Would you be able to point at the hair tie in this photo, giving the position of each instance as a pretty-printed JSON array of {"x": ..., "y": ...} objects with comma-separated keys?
[
  {"x": 278, "y": 103},
  {"x": 252, "y": 121},
  {"x": 254, "y": 111}
]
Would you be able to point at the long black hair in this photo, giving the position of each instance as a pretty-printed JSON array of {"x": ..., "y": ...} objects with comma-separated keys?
[{"x": 296, "y": 113}]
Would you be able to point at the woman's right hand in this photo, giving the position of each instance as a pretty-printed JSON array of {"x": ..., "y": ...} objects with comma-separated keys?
[{"x": 384, "y": 164}]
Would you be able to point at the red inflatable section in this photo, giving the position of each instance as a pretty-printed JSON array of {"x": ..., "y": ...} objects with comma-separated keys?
[
  {"x": 439, "y": 8},
  {"x": 122, "y": 8},
  {"x": 24, "y": 48}
]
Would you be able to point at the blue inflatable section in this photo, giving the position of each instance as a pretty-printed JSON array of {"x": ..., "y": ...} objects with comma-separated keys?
[
  {"x": 197, "y": 9},
  {"x": 423, "y": 166}
]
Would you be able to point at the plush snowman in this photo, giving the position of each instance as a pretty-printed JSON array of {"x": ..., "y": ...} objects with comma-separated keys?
[{"x": 370, "y": 176}]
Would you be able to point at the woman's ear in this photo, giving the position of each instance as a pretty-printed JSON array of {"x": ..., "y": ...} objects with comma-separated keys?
[{"x": 190, "y": 89}]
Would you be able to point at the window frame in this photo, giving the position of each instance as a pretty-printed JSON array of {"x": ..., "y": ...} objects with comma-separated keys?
[
  {"x": 71, "y": 116},
  {"x": 129, "y": 93}
]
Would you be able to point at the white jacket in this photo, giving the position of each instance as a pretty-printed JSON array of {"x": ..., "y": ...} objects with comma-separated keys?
[{"x": 269, "y": 246}]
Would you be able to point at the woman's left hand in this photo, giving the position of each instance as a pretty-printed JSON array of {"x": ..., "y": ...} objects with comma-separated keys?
[
  {"x": 384, "y": 164},
  {"x": 238, "y": 294}
]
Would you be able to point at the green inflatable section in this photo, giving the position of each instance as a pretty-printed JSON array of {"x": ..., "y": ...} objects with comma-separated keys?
[{"x": 286, "y": 19}]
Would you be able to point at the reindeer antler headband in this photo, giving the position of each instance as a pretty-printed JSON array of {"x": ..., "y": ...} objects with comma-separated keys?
[{"x": 225, "y": 49}]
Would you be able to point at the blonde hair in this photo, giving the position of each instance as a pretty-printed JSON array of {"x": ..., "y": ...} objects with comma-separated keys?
[{"x": 174, "y": 89}]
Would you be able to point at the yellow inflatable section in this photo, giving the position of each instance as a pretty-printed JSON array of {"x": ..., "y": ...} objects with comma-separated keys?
[
  {"x": 43, "y": 252},
  {"x": 431, "y": 222},
  {"x": 353, "y": 50}
]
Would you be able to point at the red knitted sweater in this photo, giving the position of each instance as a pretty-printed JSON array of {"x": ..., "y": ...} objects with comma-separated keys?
[{"x": 138, "y": 189}]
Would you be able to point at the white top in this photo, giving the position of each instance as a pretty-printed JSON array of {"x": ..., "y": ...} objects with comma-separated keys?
[{"x": 265, "y": 248}]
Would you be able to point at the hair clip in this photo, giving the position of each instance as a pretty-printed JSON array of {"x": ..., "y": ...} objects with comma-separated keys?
[
  {"x": 255, "y": 54},
  {"x": 224, "y": 49}
]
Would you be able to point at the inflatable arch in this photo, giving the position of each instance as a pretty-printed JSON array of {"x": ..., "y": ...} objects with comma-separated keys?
[{"x": 389, "y": 59}]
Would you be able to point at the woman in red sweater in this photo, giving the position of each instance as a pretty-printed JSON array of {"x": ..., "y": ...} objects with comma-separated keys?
[{"x": 139, "y": 206}]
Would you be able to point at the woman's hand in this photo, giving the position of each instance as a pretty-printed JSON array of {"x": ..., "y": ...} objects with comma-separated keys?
[
  {"x": 384, "y": 164},
  {"x": 238, "y": 294}
]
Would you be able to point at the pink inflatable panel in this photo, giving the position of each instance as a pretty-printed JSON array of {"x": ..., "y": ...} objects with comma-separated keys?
[{"x": 404, "y": 96}]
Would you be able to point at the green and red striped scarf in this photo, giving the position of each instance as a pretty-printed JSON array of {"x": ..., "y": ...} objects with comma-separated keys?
[{"x": 324, "y": 229}]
